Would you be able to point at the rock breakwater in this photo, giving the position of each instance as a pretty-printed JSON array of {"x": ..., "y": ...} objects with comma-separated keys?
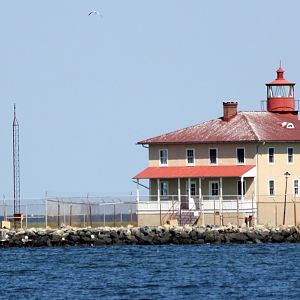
[{"x": 69, "y": 236}]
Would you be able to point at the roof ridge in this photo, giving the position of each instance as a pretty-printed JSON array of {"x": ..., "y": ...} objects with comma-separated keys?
[{"x": 251, "y": 128}]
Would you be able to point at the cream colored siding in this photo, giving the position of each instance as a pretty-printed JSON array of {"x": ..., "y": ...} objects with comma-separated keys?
[
  {"x": 226, "y": 154},
  {"x": 275, "y": 171}
]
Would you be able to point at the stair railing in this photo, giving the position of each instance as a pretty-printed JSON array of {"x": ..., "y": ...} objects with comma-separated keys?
[
  {"x": 171, "y": 213},
  {"x": 187, "y": 216}
]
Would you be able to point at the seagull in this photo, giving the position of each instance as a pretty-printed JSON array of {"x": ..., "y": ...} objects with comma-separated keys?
[{"x": 94, "y": 12}]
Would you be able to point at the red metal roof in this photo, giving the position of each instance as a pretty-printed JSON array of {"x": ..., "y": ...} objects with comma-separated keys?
[
  {"x": 197, "y": 171},
  {"x": 244, "y": 127}
]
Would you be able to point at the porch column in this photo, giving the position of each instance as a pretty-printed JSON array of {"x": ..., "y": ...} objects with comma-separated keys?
[
  {"x": 158, "y": 190},
  {"x": 137, "y": 190},
  {"x": 179, "y": 192},
  {"x": 201, "y": 206},
  {"x": 200, "y": 190},
  {"x": 254, "y": 206},
  {"x": 189, "y": 193},
  {"x": 221, "y": 195},
  {"x": 242, "y": 188}
]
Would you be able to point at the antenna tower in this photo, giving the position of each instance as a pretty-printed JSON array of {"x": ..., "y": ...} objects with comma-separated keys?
[{"x": 16, "y": 164}]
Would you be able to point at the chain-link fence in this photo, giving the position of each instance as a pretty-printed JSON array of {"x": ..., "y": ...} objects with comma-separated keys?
[
  {"x": 56, "y": 212},
  {"x": 74, "y": 211}
]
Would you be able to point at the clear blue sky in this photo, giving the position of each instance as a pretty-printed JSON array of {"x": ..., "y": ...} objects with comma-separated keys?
[{"x": 88, "y": 88}]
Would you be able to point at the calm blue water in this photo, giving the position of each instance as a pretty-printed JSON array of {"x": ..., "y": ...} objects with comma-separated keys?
[{"x": 264, "y": 271}]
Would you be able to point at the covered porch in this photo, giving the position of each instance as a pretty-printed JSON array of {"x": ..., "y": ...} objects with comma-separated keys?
[{"x": 211, "y": 191}]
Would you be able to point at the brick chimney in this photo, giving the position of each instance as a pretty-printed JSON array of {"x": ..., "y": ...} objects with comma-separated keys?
[{"x": 230, "y": 110}]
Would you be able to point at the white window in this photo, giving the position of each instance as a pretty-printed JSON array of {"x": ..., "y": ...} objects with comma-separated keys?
[
  {"x": 271, "y": 155},
  {"x": 239, "y": 188},
  {"x": 193, "y": 188},
  {"x": 240, "y": 156},
  {"x": 213, "y": 156},
  {"x": 163, "y": 157},
  {"x": 190, "y": 156},
  {"x": 164, "y": 188},
  {"x": 271, "y": 187},
  {"x": 290, "y": 155},
  {"x": 214, "y": 188},
  {"x": 296, "y": 187}
]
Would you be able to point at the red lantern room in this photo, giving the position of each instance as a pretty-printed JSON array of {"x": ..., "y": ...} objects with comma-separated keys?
[{"x": 280, "y": 93}]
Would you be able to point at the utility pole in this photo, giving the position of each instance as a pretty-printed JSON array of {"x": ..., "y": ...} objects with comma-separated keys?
[{"x": 286, "y": 174}]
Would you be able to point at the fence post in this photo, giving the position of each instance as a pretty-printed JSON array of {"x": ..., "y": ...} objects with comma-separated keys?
[
  {"x": 238, "y": 212},
  {"x": 91, "y": 222},
  {"x": 202, "y": 211},
  {"x": 58, "y": 213},
  {"x": 70, "y": 217},
  {"x": 276, "y": 222},
  {"x": 180, "y": 222},
  {"x": 4, "y": 209},
  {"x": 46, "y": 210},
  {"x": 104, "y": 214},
  {"x": 26, "y": 222},
  {"x": 214, "y": 210},
  {"x": 131, "y": 214},
  {"x": 160, "y": 213},
  {"x": 114, "y": 214},
  {"x": 252, "y": 210},
  {"x": 64, "y": 204},
  {"x": 173, "y": 213},
  {"x": 295, "y": 213}
]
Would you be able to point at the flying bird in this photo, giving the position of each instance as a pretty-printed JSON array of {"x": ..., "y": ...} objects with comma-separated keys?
[{"x": 94, "y": 12}]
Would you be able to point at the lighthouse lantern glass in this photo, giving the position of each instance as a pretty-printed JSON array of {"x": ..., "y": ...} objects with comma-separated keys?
[{"x": 280, "y": 91}]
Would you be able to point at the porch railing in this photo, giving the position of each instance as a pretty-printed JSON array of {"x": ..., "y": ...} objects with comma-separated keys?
[
  {"x": 186, "y": 209},
  {"x": 206, "y": 202}
]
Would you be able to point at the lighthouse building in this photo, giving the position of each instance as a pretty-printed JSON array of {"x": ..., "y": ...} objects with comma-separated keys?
[{"x": 243, "y": 167}]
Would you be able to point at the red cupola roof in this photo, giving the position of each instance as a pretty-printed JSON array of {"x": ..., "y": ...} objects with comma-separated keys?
[{"x": 280, "y": 80}]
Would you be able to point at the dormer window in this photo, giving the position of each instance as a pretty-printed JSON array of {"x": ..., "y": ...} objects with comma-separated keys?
[
  {"x": 190, "y": 157},
  {"x": 163, "y": 157},
  {"x": 287, "y": 125}
]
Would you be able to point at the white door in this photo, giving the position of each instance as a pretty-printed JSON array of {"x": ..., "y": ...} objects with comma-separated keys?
[{"x": 192, "y": 198}]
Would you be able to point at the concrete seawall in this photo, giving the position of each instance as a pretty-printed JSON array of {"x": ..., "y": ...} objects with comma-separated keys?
[{"x": 147, "y": 236}]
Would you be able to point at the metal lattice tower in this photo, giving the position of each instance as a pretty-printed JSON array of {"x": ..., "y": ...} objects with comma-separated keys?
[{"x": 16, "y": 164}]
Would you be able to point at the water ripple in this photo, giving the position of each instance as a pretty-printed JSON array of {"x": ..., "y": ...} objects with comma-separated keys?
[{"x": 264, "y": 271}]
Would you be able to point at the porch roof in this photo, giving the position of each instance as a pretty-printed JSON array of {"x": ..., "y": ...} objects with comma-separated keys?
[{"x": 195, "y": 171}]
